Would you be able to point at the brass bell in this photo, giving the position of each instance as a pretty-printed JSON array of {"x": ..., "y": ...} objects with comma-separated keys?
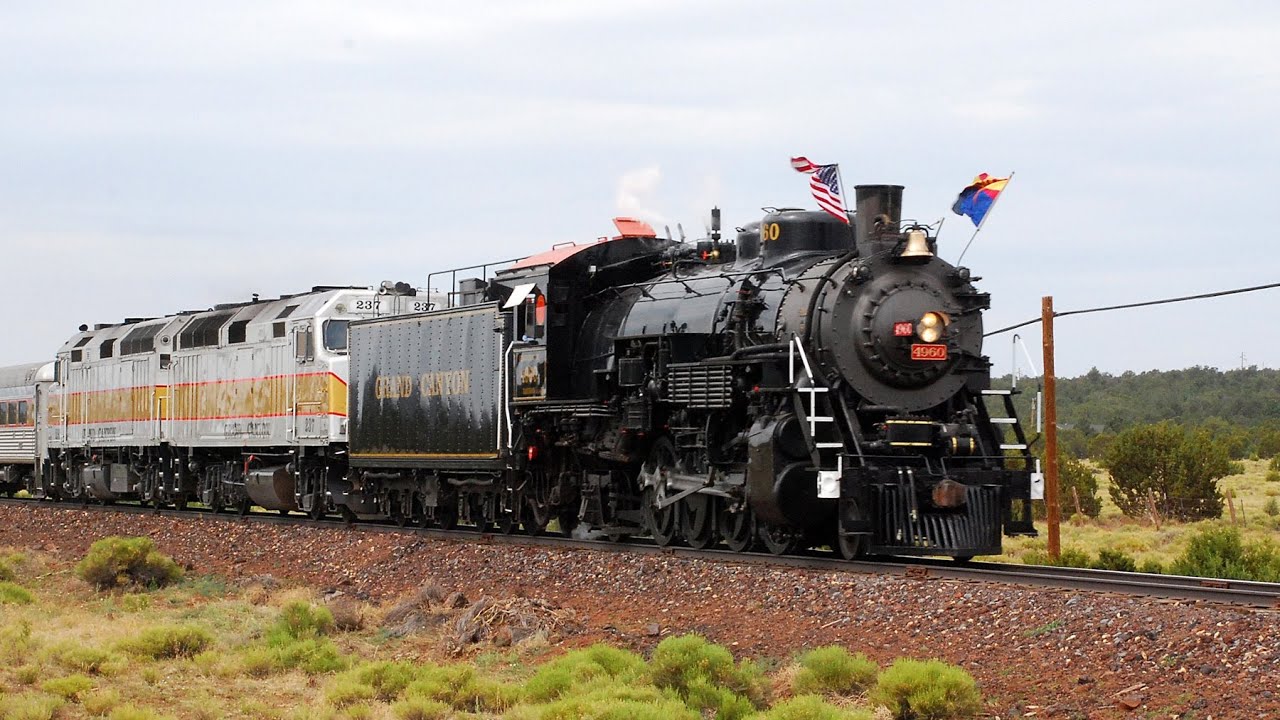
[{"x": 917, "y": 245}]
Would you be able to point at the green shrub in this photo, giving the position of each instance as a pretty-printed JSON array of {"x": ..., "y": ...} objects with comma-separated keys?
[
  {"x": 1180, "y": 470},
  {"x": 91, "y": 660},
  {"x": 1221, "y": 553},
  {"x": 812, "y": 707},
  {"x": 169, "y": 641},
  {"x": 1273, "y": 475},
  {"x": 832, "y": 670},
  {"x": 610, "y": 701},
  {"x": 14, "y": 594},
  {"x": 346, "y": 691},
  {"x": 135, "y": 602},
  {"x": 420, "y": 709},
  {"x": 581, "y": 667},
  {"x": 299, "y": 621},
  {"x": 1109, "y": 559},
  {"x": 28, "y": 674},
  {"x": 927, "y": 690},
  {"x": 30, "y": 706},
  {"x": 705, "y": 676},
  {"x": 1272, "y": 507},
  {"x": 101, "y": 702},
  {"x": 359, "y": 711},
  {"x": 116, "y": 562},
  {"x": 387, "y": 679},
  {"x": 296, "y": 641},
  {"x": 129, "y": 712},
  {"x": 1235, "y": 467},
  {"x": 1151, "y": 566},
  {"x": 1073, "y": 558},
  {"x": 462, "y": 688},
  {"x": 314, "y": 656},
  {"x": 71, "y": 687},
  {"x": 1274, "y": 464},
  {"x": 1073, "y": 475}
]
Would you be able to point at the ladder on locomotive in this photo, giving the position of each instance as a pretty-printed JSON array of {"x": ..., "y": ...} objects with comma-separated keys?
[
  {"x": 1010, "y": 419},
  {"x": 815, "y": 411}
]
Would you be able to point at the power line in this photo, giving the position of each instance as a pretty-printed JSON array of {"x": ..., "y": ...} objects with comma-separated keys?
[{"x": 1165, "y": 301}]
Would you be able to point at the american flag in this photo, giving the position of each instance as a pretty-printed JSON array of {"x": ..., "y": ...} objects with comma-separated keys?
[{"x": 824, "y": 183}]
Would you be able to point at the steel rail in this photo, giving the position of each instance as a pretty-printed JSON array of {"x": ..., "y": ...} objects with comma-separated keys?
[{"x": 1174, "y": 587}]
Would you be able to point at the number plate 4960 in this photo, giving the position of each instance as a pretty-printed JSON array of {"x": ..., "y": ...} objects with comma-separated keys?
[{"x": 928, "y": 352}]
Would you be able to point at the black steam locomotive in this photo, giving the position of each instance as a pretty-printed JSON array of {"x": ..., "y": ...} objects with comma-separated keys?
[{"x": 814, "y": 383}]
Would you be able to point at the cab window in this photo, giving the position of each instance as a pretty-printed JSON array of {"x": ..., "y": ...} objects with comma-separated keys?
[
  {"x": 335, "y": 335},
  {"x": 533, "y": 325}
]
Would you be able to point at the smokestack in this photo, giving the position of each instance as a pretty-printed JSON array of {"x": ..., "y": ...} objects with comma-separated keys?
[{"x": 879, "y": 211}]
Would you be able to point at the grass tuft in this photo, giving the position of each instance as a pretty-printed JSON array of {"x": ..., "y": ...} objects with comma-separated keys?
[
  {"x": 129, "y": 712},
  {"x": 420, "y": 709},
  {"x": 705, "y": 676},
  {"x": 91, "y": 660},
  {"x": 812, "y": 707},
  {"x": 71, "y": 687},
  {"x": 14, "y": 594},
  {"x": 927, "y": 690},
  {"x": 101, "y": 702},
  {"x": 169, "y": 641},
  {"x": 832, "y": 670},
  {"x": 30, "y": 706}
]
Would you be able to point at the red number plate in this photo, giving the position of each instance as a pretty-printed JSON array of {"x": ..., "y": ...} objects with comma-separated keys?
[
  {"x": 928, "y": 352},
  {"x": 903, "y": 329}
]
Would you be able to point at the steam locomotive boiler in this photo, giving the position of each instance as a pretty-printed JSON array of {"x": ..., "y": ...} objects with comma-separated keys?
[{"x": 813, "y": 383}]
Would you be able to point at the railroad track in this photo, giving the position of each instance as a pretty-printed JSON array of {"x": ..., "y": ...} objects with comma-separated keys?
[{"x": 1175, "y": 587}]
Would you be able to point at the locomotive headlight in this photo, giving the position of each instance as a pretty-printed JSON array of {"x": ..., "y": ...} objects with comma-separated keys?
[{"x": 931, "y": 326}]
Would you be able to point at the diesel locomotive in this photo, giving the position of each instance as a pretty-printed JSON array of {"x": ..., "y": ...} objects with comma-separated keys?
[{"x": 811, "y": 382}]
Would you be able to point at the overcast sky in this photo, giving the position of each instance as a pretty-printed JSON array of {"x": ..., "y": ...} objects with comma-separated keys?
[{"x": 163, "y": 156}]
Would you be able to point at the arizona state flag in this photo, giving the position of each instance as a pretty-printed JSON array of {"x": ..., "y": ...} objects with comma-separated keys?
[{"x": 975, "y": 200}]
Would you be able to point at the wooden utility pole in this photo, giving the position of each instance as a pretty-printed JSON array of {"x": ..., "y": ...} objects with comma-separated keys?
[{"x": 1052, "y": 510}]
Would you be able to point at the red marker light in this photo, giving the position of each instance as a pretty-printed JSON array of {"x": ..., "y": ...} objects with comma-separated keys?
[{"x": 532, "y": 453}]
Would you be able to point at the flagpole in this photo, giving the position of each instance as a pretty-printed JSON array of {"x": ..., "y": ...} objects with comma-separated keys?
[{"x": 984, "y": 217}]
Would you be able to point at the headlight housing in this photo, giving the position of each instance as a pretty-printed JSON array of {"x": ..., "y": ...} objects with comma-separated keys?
[{"x": 931, "y": 326}]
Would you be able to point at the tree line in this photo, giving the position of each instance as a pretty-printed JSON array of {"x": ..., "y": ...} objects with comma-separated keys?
[{"x": 1238, "y": 410}]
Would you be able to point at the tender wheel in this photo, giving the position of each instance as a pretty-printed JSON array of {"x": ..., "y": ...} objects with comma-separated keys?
[
  {"x": 737, "y": 529},
  {"x": 779, "y": 540},
  {"x": 536, "y": 517},
  {"x": 698, "y": 521},
  {"x": 348, "y": 515},
  {"x": 243, "y": 507},
  {"x": 420, "y": 514},
  {"x": 851, "y": 547},
  {"x": 317, "y": 511},
  {"x": 447, "y": 512},
  {"x": 476, "y": 508},
  {"x": 568, "y": 520},
  {"x": 508, "y": 523}
]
